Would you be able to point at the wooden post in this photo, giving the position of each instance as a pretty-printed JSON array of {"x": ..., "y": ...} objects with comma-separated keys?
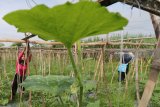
[
  {"x": 153, "y": 76},
  {"x": 136, "y": 78},
  {"x": 98, "y": 64},
  {"x": 155, "y": 68},
  {"x": 102, "y": 63}
]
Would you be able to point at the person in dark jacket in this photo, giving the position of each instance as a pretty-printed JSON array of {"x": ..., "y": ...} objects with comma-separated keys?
[{"x": 123, "y": 68}]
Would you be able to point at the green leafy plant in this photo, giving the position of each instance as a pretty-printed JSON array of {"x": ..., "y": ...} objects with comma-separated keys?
[
  {"x": 55, "y": 84},
  {"x": 67, "y": 23},
  {"x": 4, "y": 92}
]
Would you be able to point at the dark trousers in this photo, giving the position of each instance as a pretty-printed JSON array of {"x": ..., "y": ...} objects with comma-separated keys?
[
  {"x": 17, "y": 79},
  {"x": 122, "y": 75}
]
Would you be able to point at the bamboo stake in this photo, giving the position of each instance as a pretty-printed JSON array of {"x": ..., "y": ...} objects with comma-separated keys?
[
  {"x": 114, "y": 73},
  {"x": 99, "y": 75},
  {"x": 44, "y": 63},
  {"x": 59, "y": 62},
  {"x": 136, "y": 69},
  {"x": 96, "y": 70},
  {"x": 30, "y": 99},
  {"x": 111, "y": 61},
  {"x": 136, "y": 79},
  {"x": 148, "y": 62},
  {"x": 63, "y": 63},
  {"x": 49, "y": 65},
  {"x": 102, "y": 64},
  {"x": 41, "y": 64},
  {"x": 43, "y": 100},
  {"x": 141, "y": 66},
  {"x": 4, "y": 66}
]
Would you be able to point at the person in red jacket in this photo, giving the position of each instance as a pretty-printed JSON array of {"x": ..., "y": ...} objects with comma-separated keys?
[{"x": 21, "y": 69}]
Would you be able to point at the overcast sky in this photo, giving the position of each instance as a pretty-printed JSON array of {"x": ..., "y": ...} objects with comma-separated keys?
[{"x": 139, "y": 20}]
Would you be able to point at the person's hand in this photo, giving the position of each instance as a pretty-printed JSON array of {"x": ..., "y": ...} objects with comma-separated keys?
[
  {"x": 24, "y": 49},
  {"x": 26, "y": 40}
]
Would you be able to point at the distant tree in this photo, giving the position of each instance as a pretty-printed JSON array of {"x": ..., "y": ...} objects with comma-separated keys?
[
  {"x": 1, "y": 44},
  {"x": 96, "y": 39},
  {"x": 16, "y": 44},
  {"x": 39, "y": 45}
]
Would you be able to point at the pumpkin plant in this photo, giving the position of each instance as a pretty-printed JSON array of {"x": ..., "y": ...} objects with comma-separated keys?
[{"x": 67, "y": 23}]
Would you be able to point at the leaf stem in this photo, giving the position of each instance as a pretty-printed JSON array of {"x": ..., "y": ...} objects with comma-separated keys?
[
  {"x": 61, "y": 100},
  {"x": 77, "y": 76}
]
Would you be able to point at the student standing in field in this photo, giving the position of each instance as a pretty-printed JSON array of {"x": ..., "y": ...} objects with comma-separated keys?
[{"x": 21, "y": 68}]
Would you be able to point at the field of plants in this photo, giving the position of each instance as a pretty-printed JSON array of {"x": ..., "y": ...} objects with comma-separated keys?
[{"x": 99, "y": 75}]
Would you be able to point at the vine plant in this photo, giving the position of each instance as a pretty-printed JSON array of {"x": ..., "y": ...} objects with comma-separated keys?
[{"x": 66, "y": 23}]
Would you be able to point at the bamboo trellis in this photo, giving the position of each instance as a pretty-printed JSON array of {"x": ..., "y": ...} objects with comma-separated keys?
[
  {"x": 102, "y": 44},
  {"x": 83, "y": 44}
]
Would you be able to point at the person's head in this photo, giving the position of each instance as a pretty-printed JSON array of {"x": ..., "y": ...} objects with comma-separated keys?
[{"x": 131, "y": 54}]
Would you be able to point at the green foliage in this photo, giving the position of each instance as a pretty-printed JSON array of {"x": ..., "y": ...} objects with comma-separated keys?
[
  {"x": 4, "y": 91},
  {"x": 17, "y": 44},
  {"x": 66, "y": 23},
  {"x": 110, "y": 95},
  {"x": 49, "y": 84},
  {"x": 90, "y": 85},
  {"x": 1, "y": 44},
  {"x": 4, "y": 101},
  {"x": 39, "y": 45},
  {"x": 116, "y": 95},
  {"x": 95, "y": 104},
  {"x": 155, "y": 97}
]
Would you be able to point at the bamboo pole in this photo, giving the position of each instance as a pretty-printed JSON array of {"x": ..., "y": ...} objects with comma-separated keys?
[
  {"x": 102, "y": 64},
  {"x": 83, "y": 44},
  {"x": 114, "y": 73},
  {"x": 141, "y": 67},
  {"x": 49, "y": 62},
  {"x": 31, "y": 41},
  {"x": 98, "y": 64},
  {"x": 136, "y": 78}
]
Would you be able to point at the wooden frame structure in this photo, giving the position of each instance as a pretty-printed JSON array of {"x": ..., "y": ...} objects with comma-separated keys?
[{"x": 100, "y": 43}]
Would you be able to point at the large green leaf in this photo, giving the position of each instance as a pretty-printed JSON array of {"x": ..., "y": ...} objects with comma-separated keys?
[
  {"x": 66, "y": 23},
  {"x": 55, "y": 84}
]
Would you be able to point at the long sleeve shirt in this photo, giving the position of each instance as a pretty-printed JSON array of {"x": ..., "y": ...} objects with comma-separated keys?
[{"x": 21, "y": 67}]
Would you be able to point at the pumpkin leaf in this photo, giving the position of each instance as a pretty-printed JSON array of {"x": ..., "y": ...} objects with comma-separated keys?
[
  {"x": 66, "y": 23},
  {"x": 54, "y": 84},
  {"x": 89, "y": 85}
]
